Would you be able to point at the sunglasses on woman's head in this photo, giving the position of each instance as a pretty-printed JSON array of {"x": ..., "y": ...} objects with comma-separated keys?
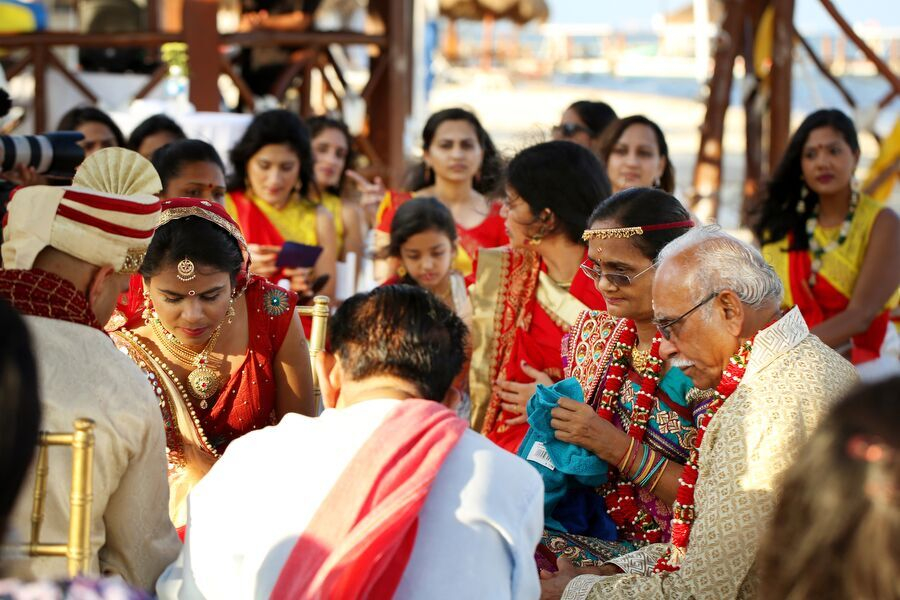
[{"x": 568, "y": 130}]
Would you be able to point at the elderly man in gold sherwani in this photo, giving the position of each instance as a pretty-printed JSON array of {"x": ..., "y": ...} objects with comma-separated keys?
[
  {"x": 68, "y": 253},
  {"x": 716, "y": 303}
]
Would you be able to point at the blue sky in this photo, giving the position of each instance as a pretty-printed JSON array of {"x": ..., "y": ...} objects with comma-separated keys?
[{"x": 637, "y": 13}]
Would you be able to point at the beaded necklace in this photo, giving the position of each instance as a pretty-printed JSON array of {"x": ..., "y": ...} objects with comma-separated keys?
[
  {"x": 684, "y": 511},
  {"x": 621, "y": 500},
  {"x": 815, "y": 248},
  {"x": 164, "y": 368}
]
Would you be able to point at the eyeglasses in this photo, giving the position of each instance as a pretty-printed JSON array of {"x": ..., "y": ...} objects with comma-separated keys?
[
  {"x": 568, "y": 130},
  {"x": 616, "y": 279},
  {"x": 665, "y": 327}
]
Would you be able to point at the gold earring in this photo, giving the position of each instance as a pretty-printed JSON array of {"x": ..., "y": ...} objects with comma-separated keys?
[
  {"x": 229, "y": 314},
  {"x": 148, "y": 311}
]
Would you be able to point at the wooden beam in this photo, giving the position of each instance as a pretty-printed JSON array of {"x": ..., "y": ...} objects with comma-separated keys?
[
  {"x": 824, "y": 69},
  {"x": 304, "y": 38},
  {"x": 202, "y": 39},
  {"x": 244, "y": 91},
  {"x": 885, "y": 70},
  {"x": 40, "y": 94},
  {"x": 708, "y": 170},
  {"x": 53, "y": 61},
  {"x": 20, "y": 65},
  {"x": 780, "y": 78},
  {"x": 390, "y": 100},
  {"x": 158, "y": 75},
  {"x": 753, "y": 116},
  {"x": 87, "y": 40}
]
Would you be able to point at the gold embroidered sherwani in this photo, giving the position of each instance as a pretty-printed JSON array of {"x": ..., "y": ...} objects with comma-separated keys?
[
  {"x": 82, "y": 374},
  {"x": 791, "y": 382}
]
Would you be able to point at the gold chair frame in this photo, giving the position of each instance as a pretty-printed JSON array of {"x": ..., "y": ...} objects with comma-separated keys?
[
  {"x": 319, "y": 312},
  {"x": 77, "y": 550}
]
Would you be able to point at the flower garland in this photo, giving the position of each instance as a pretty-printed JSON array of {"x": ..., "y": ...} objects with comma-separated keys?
[
  {"x": 815, "y": 248},
  {"x": 684, "y": 511},
  {"x": 621, "y": 500}
]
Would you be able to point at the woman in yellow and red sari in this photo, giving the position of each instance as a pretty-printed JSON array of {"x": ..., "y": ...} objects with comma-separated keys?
[
  {"x": 835, "y": 249},
  {"x": 527, "y": 295},
  {"x": 270, "y": 196},
  {"x": 461, "y": 168}
]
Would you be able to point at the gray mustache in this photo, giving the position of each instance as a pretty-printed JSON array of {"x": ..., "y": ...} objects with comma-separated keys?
[{"x": 679, "y": 362}]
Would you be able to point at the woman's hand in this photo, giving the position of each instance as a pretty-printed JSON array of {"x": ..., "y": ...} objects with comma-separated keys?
[
  {"x": 371, "y": 193},
  {"x": 24, "y": 176},
  {"x": 517, "y": 395},
  {"x": 262, "y": 259},
  {"x": 301, "y": 280},
  {"x": 577, "y": 423}
]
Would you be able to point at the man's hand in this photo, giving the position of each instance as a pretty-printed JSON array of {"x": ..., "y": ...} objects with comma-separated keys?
[
  {"x": 517, "y": 395},
  {"x": 554, "y": 584}
]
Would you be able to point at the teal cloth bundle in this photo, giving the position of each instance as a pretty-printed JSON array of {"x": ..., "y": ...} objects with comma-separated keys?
[{"x": 563, "y": 466}]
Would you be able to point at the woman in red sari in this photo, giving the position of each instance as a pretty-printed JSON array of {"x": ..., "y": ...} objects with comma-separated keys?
[
  {"x": 528, "y": 295},
  {"x": 224, "y": 352},
  {"x": 834, "y": 248},
  {"x": 461, "y": 168}
]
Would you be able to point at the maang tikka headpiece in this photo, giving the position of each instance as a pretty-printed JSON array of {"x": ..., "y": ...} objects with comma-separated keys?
[{"x": 186, "y": 270}]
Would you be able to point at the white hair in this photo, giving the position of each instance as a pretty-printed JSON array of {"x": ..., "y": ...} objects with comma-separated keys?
[{"x": 723, "y": 262}]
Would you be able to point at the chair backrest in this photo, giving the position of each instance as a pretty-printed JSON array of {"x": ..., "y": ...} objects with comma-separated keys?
[
  {"x": 77, "y": 550},
  {"x": 319, "y": 312}
]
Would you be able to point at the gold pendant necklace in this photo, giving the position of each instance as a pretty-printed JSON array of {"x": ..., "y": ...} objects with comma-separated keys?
[
  {"x": 203, "y": 381},
  {"x": 639, "y": 359}
]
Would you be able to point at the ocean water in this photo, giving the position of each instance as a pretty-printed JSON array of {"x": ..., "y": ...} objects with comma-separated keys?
[{"x": 810, "y": 92}]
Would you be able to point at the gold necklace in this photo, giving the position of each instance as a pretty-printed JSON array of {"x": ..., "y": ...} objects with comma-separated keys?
[{"x": 203, "y": 381}]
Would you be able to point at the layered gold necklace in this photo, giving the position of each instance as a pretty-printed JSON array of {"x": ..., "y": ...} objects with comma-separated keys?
[{"x": 203, "y": 381}]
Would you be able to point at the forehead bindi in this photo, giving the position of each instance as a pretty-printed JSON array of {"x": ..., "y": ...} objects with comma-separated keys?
[{"x": 823, "y": 137}]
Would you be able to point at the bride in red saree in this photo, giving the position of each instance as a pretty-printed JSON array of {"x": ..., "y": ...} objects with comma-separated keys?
[
  {"x": 224, "y": 351},
  {"x": 528, "y": 295}
]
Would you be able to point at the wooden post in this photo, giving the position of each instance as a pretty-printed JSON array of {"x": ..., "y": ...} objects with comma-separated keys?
[
  {"x": 202, "y": 39},
  {"x": 753, "y": 117},
  {"x": 782, "y": 60},
  {"x": 39, "y": 66},
  {"x": 390, "y": 98},
  {"x": 708, "y": 170}
]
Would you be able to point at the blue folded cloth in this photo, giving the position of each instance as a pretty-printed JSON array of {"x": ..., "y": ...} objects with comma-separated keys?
[{"x": 565, "y": 468}]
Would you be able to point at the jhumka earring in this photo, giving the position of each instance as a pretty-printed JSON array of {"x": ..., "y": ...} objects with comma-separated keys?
[
  {"x": 229, "y": 314},
  {"x": 186, "y": 271},
  {"x": 804, "y": 192},
  {"x": 148, "y": 309}
]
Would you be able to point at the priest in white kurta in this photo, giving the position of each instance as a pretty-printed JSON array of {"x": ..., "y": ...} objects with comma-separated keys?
[{"x": 478, "y": 527}]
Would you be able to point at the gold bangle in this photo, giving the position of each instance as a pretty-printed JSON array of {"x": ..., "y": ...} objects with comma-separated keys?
[
  {"x": 621, "y": 464},
  {"x": 656, "y": 481}
]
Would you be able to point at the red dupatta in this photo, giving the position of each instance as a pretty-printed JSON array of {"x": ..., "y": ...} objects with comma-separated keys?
[
  {"x": 823, "y": 301},
  {"x": 360, "y": 539}
]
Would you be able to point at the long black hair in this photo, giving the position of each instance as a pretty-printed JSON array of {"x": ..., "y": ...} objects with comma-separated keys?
[
  {"x": 196, "y": 239},
  {"x": 151, "y": 126},
  {"x": 615, "y": 131},
  {"x": 20, "y": 406},
  {"x": 563, "y": 177},
  {"x": 322, "y": 123},
  {"x": 89, "y": 114},
  {"x": 172, "y": 158},
  {"x": 273, "y": 127},
  {"x": 597, "y": 116},
  {"x": 778, "y": 215},
  {"x": 635, "y": 207},
  {"x": 491, "y": 170}
]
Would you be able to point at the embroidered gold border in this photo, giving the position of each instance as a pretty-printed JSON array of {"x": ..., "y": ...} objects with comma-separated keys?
[
  {"x": 487, "y": 306},
  {"x": 558, "y": 303}
]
